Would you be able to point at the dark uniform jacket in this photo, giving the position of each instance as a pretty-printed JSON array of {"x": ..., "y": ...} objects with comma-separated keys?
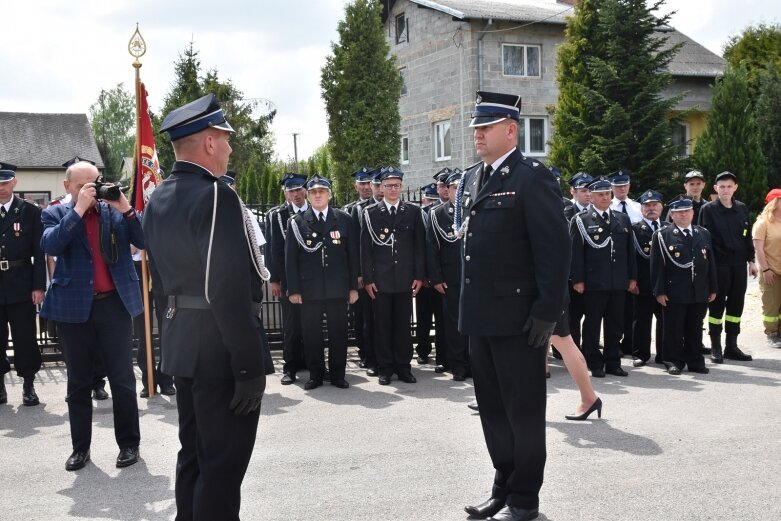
[
  {"x": 329, "y": 272},
  {"x": 444, "y": 248},
  {"x": 608, "y": 268},
  {"x": 401, "y": 259},
  {"x": 667, "y": 249},
  {"x": 20, "y": 241},
  {"x": 572, "y": 210},
  {"x": 516, "y": 255},
  {"x": 222, "y": 341},
  {"x": 643, "y": 233},
  {"x": 277, "y": 219},
  {"x": 730, "y": 231}
]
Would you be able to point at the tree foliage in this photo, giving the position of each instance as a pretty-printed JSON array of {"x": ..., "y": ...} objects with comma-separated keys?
[
  {"x": 610, "y": 112},
  {"x": 768, "y": 118},
  {"x": 253, "y": 142},
  {"x": 361, "y": 84},
  {"x": 756, "y": 48},
  {"x": 730, "y": 141},
  {"x": 112, "y": 118}
]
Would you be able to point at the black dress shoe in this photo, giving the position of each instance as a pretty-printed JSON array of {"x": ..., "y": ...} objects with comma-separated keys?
[
  {"x": 617, "y": 371},
  {"x": 596, "y": 406},
  {"x": 99, "y": 393},
  {"x": 473, "y": 406},
  {"x": 29, "y": 397},
  {"x": 288, "y": 378},
  {"x": 167, "y": 389},
  {"x": 459, "y": 377},
  {"x": 638, "y": 362},
  {"x": 598, "y": 373},
  {"x": 422, "y": 360},
  {"x": 673, "y": 370},
  {"x": 700, "y": 370},
  {"x": 440, "y": 369},
  {"x": 312, "y": 384},
  {"x": 362, "y": 364},
  {"x": 485, "y": 509},
  {"x": 385, "y": 380},
  {"x": 371, "y": 371},
  {"x": 734, "y": 353},
  {"x": 127, "y": 456},
  {"x": 407, "y": 378},
  {"x": 77, "y": 460},
  {"x": 341, "y": 384},
  {"x": 509, "y": 513},
  {"x": 144, "y": 393}
]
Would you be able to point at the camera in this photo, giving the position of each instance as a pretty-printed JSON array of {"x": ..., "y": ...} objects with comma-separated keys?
[{"x": 107, "y": 191}]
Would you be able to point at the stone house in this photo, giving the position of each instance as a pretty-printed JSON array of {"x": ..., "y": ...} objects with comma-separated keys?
[{"x": 448, "y": 49}]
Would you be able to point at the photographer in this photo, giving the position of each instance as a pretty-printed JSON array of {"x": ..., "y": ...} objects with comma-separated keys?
[{"x": 93, "y": 295}]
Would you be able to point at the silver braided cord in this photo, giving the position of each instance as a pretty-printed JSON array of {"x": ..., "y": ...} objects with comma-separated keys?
[
  {"x": 587, "y": 237},
  {"x": 639, "y": 249},
  {"x": 438, "y": 228},
  {"x": 300, "y": 240},
  {"x": 376, "y": 240},
  {"x": 281, "y": 226},
  {"x": 258, "y": 260}
]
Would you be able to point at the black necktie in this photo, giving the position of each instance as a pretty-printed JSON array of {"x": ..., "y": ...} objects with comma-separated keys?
[
  {"x": 486, "y": 175},
  {"x": 655, "y": 225},
  {"x": 321, "y": 218},
  {"x": 393, "y": 212},
  {"x": 605, "y": 217},
  {"x": 623, "y": 207},
  {"x": 687, "y": 233},
  {"x": 2, "y": 212}
]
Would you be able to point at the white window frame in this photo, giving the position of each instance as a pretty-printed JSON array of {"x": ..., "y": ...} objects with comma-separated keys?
[
  {"x": 525, "y": 60},
  {"x": 404, "y": 149},
  {"x": 687, "y": 136},
  {"x": 525, "y": 146},
  {"x": 402, "y": 37},
  {"x": 439, "y": 144}
]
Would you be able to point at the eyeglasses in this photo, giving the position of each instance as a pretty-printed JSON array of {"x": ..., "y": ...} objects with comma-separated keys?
[{"x": 392, "y": 187}]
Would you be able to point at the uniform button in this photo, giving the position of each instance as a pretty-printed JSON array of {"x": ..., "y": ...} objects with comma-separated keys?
[
  {"x": 468, "y": 258},
  {"x": 469, "y": 234},
  {"x": 518, "y": 290},
  {"x": 473, "y": 212},
  {"x": 467, "y": 281},
  {"x": 499, "y": 203},
  {"x": 242, "y": 372},
  {"x": 395, "y": 262}
]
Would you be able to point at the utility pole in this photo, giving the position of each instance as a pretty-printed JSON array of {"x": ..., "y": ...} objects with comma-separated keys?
[{"x": 295, "y": 149}]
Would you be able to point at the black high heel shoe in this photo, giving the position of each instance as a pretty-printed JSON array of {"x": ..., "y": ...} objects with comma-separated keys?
[{"x": 596, "y": 406}]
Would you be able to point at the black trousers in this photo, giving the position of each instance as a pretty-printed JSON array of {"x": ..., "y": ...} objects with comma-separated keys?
[
  {"x": 216, "y": 446},
  {"x": 139, "y": 333},
  {"x": 428, "y": 312},
  {"x": 457, "y": 344},
  {"x": 599, "y": 307},
  {"x": 732, "y": 284},
  {"x": 366, "y": 305},
  {"x": 105, "y": 333},
  {"x": 293, "y": 349},
  {"x": 646, "y": 308},
  {"x": 683, "y": 334},
  {"x": 392, "y": 336},
  {"x": 509, "y": 379},
  {"x": 20, "y": 316},
  {"x": 575, "y": 315},
  {"x": 335, "y": 311}
]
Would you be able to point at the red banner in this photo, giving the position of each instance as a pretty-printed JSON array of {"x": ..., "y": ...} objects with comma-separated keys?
[{"x": 147, "y": 172}]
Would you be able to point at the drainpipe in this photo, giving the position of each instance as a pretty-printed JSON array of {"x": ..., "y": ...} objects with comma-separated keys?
[{"x": 480, "y": 58}]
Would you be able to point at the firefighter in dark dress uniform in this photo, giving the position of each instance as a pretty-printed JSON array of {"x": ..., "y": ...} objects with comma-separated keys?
[
  {"x": 603, "y": 270},
  {"x": 293, "y": 348},
  {"x": 683, "y": 272},
  {"x": 321, "y": 262},
  {"x": 444, "y": 272},
  {"x": 22, "y": 283},
  {"x": 646, "y": 306},
  {"x": 393, "y": 264},
  {"x": 514, "y": 279},
  {"x": 581, "y": 199},
  {"x": 211, "y": 341}
]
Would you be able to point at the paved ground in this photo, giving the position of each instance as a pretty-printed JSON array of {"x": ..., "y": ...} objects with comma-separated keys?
[{"x": 692, "y": 447}]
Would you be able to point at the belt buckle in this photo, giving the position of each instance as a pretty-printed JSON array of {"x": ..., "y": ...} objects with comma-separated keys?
[
  {"x": 169, "y": 313},
  {"x": 4, "y": 265}
]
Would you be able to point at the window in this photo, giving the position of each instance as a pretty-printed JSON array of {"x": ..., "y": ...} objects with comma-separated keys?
[
  {"x": 442, "y": 140},
  {"x": 42, "y": 199},
  {"x": 401, "y": 29},
  {"x": 679, "y": 134},
  {"x": 533, "y": 136},
  {"x": 403, "y": 72},
  {"x": 521, "y": 60},
  {"x": 404, "y": 149}
]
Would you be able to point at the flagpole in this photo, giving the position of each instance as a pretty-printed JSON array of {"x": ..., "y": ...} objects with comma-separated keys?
[{"x": 137, "y": 48}]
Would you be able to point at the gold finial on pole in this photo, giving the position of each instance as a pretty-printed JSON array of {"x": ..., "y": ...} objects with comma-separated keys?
[{"x": 136, "y": 47}]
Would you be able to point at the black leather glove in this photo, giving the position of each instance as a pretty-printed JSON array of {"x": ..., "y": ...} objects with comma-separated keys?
[
  {"x": 539, "y": 331},
  {"x": 247, "y": 395}
]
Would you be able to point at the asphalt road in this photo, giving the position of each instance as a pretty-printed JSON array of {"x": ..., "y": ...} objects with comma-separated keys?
[{"x": 689, "y": 447}]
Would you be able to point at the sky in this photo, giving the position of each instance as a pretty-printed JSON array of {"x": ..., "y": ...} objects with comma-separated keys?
[{"x": 57, "y": 55}]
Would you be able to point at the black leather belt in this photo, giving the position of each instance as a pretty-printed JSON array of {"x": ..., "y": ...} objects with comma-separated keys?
[
  {"x": 191, "y": 302},
  {"x": 103, "y": 294},
  {"x": 6, "y": 265}
]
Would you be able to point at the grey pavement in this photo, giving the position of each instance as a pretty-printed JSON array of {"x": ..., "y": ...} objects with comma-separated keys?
[{"x": 689, "y": 447}]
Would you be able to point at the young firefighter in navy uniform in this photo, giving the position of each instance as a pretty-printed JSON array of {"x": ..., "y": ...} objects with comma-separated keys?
[
  {"x": 22, "y": 283},
  {"x": 514, "y": 279},
  {"x": 603, "y": 270},
  {"x": 393, "y": 265},
  {"x": 683, "y": 272},
  {"x": 210, "y": 333},
  {"x": 321, "y": 261},
  {"x": 444, "y": 272},
  {"x": 646, "y": 306},
  {"x": 293, "y": 347}
]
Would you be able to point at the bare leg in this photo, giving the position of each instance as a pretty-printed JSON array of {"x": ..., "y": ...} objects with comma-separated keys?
[{"x": 576, "y": 365}]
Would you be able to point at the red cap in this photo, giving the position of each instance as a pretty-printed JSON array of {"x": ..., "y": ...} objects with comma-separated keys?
[{"x": 775, "y": 193}]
